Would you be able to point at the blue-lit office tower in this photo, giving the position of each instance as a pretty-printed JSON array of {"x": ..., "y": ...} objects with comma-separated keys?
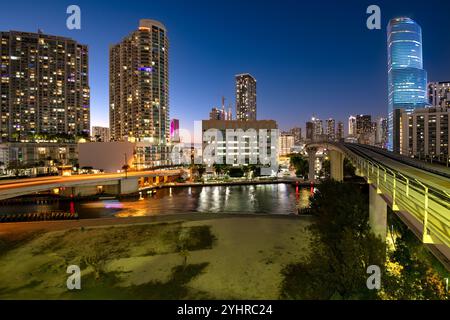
[{"x": 407, "y": 81}]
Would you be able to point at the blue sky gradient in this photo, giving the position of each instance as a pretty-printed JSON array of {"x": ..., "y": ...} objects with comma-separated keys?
[{"x": 308, "y": 58}]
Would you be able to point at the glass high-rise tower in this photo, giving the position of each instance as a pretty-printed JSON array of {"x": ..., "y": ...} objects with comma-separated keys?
[{"x": 407, "y": 80}]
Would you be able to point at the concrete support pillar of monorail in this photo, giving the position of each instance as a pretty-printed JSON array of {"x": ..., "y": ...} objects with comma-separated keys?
[
  {"x": 312, "y": 162},
  {"x": 377, "y": 213},
  {"x": 337, "y": 165}
]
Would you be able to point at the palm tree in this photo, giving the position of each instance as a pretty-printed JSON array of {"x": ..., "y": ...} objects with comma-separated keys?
[
  {"x": 184, "y": 253},
  {"x": 126, "y": 167}
]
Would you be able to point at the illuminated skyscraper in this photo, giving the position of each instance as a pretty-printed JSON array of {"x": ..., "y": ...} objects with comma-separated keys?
[
  {"x": 139, "y": 85},
  {"x": 297, "y": 133},
  {"x": 139, "y": 92},
  {"x": 318, "y": 128},
  {"x": 331, "y": 129},
  {"x": 100, "y": 134},
  {"x": 286, "y": 142},
  {"x": 407, "y": 81},
  {"x": 363, "y": 124},
  {"x": 381, "y": 132},
  {"x": 352, "y": 126},
  {"x": 44, "y": 86},
  {"x": 245, "y": 97}
]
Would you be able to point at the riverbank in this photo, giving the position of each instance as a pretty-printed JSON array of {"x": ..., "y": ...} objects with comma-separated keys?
[{"x": 229, "y": 257}]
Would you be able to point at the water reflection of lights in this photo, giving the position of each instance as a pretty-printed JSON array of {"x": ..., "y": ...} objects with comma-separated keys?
[
  {"x": 282, "y": 188},
  {"x": 270, "y": 198},
  {"x": 72, "y": 207},
  {"x": 112, "y": 204},
  {"x": 107, "y": 204},
  {"x": 203, "y": 200},
  {"x": 135, "y": 213},
  {"x": 215, "y": 194}
]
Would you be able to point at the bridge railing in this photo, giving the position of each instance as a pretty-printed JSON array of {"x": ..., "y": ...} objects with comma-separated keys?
[{"x": 429, "y": 206}]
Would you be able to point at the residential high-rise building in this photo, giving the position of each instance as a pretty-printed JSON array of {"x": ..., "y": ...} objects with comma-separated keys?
[
  {"x": 175, "y": 130},
  {"x": 330, "y": 129},
  {"x": 100, "y": 134},
  {"x": 365, "y": 132},
  {"x": 381, "y": 132},
  {"x": 286, "y": 143},
  {"x": 139, "y": 84},
  {"x": 407, "y": 80},
  {"x": 363, "y": 124},
  {"x": 297, "y": 133},
  {"x": 245, "y": 97},
  {"x": 340, "y": 131},
  {"x": 318, "y": 128},
  {"x": 352, "y": 126},
  {"x": 425, "y": 133},
  {"x": 44, "y": 86},
  {"x": 439, "y": 94},
  {"x": 139, "y": 91}
]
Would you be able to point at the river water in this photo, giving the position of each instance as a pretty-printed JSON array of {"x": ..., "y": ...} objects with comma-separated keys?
[{"x": 266, "y": 199}]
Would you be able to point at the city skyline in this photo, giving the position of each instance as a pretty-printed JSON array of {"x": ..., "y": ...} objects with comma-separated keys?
[{"x": 299, "y": 96}]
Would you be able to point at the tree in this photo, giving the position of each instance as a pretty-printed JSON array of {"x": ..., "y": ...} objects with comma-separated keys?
[
  {"x": 344, "y": 247},
  {"x": 220, "y": 168},
  {"x": 300, "y": 165},
  {"x": 410, "y": 273},
  {"x": 184, "y": 254},
  {"x": 236, "y": 172},
  {"x": 349, "y": 169},
  {"x": 326, "y": 168},
  {"x": 197, "y": 169},
  {"x": 126, "y": 167},
  {"x": 201, "y": 170},
  {"x": 253, "y": 169}
]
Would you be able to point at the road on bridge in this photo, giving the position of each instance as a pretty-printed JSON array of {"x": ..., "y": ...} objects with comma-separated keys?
[{"x": 29, "y": 182}]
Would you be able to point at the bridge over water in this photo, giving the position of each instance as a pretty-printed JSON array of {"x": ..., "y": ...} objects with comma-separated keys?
[{"x": 84, "y": 185}]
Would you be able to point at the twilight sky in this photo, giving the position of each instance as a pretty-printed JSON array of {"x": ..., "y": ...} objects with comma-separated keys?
[{"x": 314, "y": 57}]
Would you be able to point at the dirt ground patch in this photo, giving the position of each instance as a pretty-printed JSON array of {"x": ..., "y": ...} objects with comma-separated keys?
[{"x": 232, "y": 257}]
